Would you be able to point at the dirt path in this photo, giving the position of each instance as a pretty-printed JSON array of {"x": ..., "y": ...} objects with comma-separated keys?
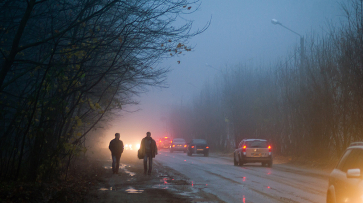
[{"x": 131, "y": 185}]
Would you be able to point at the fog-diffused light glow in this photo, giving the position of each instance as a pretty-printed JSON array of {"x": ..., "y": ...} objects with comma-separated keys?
[
  {"x": 137, "y": 146},
  {"x": 207, "y": 147},
  {"x": 126, "y": 145},
  {"x": 185, "y": 145},
  {"x": 192, "y": 146},
  {"x": 173, "y": 145}
]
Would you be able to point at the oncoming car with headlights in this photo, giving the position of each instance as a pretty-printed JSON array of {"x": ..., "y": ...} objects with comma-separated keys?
[{"x": 131, "y": 146}]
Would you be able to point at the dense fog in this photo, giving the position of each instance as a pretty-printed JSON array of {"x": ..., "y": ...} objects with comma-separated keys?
[{"x": 76, "y": 72}]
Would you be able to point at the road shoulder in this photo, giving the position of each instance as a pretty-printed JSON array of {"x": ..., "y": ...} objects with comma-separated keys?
[{"x": 131, "y": 185}]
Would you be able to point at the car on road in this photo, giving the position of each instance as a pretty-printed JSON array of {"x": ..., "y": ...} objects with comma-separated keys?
[
  {"x": 164, "y": 143},
  {"x": 346, "y": 180},
  {"x": 131, "y": 147},
  {"x": 252, "y": 151},
  {"x": 198, "y": 146},
  {"x": 178, "y": 144}
]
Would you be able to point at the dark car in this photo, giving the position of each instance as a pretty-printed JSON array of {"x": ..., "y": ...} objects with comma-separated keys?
[
  {"x": 178, "y": 144},
  {"x": 198, "y": 146},
  {"x": 164, "y": 143},
  {"x": 345, "y": 181}
]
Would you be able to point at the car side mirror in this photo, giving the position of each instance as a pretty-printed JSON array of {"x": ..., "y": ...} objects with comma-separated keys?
[{"x": 353, "y": 173}]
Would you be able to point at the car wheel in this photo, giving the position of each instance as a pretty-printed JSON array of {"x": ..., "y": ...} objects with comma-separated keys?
[
  {"x": 240, "y": 161},
  {"x": 234, "y": 160},
  {"x": 269, "y": 164}
]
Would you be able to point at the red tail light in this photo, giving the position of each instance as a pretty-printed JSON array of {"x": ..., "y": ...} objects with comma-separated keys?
[
  {"x": 269, "y": 148},
  {"x": 160, "y": 141},
  {"x": 207, "y": 147},
  {"x": 185, "y": 145},
  {"x": 173, "y": 145},
  {"x": 192, "y": 146},
  {"x": 244, "y": 148},
  {"x": 171, "y": 141}
]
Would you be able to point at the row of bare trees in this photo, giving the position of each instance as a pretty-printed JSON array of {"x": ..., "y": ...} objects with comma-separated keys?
[
  {"x": 67, "y": 65},
  {"x": 311, "y": 106}
]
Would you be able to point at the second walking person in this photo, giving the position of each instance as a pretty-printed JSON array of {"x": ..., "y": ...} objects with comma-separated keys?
[{"x": 149, "y": 149}]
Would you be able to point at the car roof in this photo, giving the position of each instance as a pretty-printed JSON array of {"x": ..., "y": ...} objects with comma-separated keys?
[
  {"x": 356, "y": 145},
  {"x": 254, "y": 140}
]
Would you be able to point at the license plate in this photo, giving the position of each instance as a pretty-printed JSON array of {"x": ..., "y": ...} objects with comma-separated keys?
[
  {"x": 200, "y": 149},
  {"x": 256, "y": 154},
  {"x": 179, "y": 145}
]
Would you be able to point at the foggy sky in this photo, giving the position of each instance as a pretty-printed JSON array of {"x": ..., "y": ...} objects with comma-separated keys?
[{"x": 240, "y": 32}]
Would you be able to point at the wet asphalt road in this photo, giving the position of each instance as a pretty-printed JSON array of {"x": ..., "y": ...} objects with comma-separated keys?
[{"x": 248, "y": 183}]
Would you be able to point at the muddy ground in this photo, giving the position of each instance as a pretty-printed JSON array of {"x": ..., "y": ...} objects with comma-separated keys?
[{"x": 131, "y": 185}]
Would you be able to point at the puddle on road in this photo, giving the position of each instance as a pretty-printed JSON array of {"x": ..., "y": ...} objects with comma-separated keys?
[
  {"x": 129, "y": 173},
  {"x": 107, "y": 189},
  {"x": 133, "y": 190}
]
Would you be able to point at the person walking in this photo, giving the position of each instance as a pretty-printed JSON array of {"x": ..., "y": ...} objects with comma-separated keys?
[
  {"x": 116, "y": 147},
  {"x": 149, "y": 149}
]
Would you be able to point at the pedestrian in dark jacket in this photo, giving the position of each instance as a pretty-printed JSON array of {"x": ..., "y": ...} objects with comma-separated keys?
[
  {"x": 116, "y": 147},
  {"x": 149, "y": 149}
]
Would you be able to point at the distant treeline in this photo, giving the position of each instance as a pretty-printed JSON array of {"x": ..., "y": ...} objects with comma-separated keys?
[
  {"x": 67, "y": 65},
  {"x": 310, "y": 106}
]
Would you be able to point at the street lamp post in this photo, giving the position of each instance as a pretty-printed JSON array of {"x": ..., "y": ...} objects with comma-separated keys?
[{"x": 302, "y": 46}]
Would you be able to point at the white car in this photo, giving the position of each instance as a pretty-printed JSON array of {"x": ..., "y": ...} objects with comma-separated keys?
[
  {"x": 345, "y": 181},
  {"x": 251, "y": 151},
  {"x": 178, "y": 144}
]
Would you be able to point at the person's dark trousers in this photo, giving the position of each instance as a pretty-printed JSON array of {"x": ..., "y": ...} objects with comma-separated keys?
[
  {"x": 146, "y": 157},
  {"x": 115, "y": 163}
]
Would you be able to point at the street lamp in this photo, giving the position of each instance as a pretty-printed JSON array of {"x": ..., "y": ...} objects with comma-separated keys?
[{"x": 302, "y": 48}]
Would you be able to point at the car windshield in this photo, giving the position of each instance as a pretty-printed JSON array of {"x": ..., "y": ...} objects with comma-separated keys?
[
  {"x": 199, "y": 141},
  {"x": 256, "y": 144},
  {"x": 178, "y": 140}
]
